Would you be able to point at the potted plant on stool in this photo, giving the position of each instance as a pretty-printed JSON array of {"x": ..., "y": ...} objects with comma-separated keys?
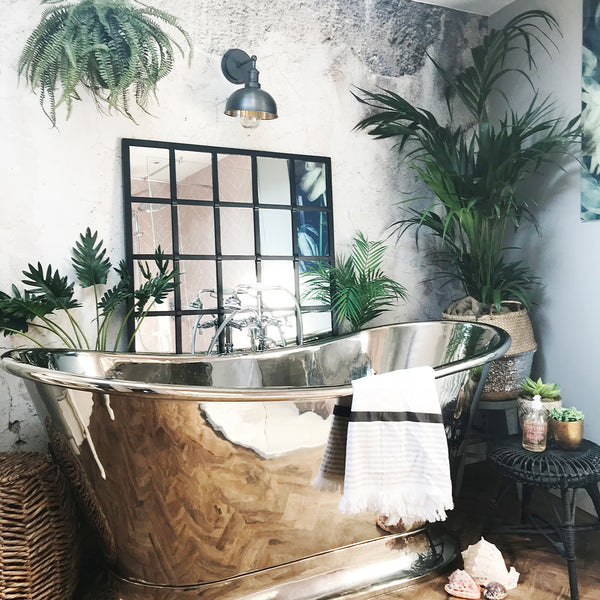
[
  {"x": 548, "y": 392},
  {"x": 566, "y": 426}
]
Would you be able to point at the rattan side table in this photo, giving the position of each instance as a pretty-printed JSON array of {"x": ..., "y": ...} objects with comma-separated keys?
[{"x": 556, "y": 469}]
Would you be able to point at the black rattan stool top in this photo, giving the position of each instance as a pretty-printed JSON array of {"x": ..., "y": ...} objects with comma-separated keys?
[{"x": 552, "y": 468}]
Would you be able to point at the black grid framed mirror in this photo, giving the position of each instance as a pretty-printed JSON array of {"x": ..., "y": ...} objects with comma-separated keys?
[{"x": 236, "y": 223}]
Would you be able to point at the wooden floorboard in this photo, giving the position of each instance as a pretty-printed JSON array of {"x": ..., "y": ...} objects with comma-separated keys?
[{"x": 543, "y": 572}]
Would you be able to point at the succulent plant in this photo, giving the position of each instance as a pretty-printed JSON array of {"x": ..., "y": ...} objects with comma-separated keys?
[
  {"x": 566, "y": 414},
  {"x": 548, "y": 391}
]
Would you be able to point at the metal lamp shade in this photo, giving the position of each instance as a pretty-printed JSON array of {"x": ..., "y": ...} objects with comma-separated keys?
[{"x": 251, "y": 101}]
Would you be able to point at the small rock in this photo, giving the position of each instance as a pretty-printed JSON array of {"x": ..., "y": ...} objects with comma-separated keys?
[{"x": 494, "y": 591}]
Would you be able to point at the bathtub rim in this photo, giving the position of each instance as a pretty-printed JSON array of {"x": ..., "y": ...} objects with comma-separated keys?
[{"x": 162, "y": 391}]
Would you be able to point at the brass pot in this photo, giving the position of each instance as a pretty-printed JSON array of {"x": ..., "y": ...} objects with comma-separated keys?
[{"x": 568, "y": 434}]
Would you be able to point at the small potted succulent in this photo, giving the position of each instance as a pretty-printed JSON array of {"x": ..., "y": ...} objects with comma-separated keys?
[
  {"x": 548, "y": 392},
  {"x": 566, "y": 426}
]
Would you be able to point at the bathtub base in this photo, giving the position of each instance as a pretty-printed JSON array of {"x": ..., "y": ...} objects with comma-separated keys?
[{"x": 358, "y": 571}]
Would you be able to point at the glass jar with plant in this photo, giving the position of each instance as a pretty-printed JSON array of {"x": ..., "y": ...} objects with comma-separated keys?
[
  {"x": 549, "y": 394},
  {"x": 47, "y": 293},
  {"x": 566, "y": 425},
  {"x": 355, "y": 287},
  {"x": 116, "y": 50},
  {"x": 475, "y": 172}
]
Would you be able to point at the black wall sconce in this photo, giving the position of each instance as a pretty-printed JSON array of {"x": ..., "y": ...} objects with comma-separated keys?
[{"x": 251, "y": 104}]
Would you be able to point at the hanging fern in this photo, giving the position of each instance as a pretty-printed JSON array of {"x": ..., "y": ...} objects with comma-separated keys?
[{"x": 115, "y": 49}]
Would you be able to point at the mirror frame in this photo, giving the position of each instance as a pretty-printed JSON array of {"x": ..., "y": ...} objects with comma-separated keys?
[{"x": 177, "y": 311}]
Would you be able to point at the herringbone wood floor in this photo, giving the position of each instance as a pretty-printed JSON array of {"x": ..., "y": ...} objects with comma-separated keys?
[{"x": 543, "y": 572}]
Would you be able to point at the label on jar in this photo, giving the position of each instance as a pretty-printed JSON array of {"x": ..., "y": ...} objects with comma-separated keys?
[{"x": 534, "y": 433}]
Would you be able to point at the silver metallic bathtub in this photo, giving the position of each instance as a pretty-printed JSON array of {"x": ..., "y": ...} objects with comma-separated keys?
[{"x": 196, "y": 470}]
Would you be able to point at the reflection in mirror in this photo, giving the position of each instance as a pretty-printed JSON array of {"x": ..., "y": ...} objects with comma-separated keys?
[
  {"x": 149, "y": 173},
  {"x": 311, "y": 183},
  {"x": 273, "y": 180},
  {"x": 231, "y": 217},
  {"x": 278, "y": 273},
  {"x": 196, "y": 229},
  {"x": 138, "y": 279},
  {"x": 237, "y": 231},
  {"x": 196, "y": 277},
  {"x": 317, "y": 323},
  {"x": 151, "y": 227},
  {"x": 305, "y": 299},
  {"x": 156, "y": 334},
  {"x": 236, "y": 272},
  {"x": 275, "y": 232},
  {"x": 313, "y": 233},
  {"x": 194, "y": 175},
  {"x": 235, "y": 178}
]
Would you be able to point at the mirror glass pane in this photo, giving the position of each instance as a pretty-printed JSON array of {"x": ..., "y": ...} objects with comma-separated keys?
[
  {"x": 149, "y": 172},
  {"x": 275, "y": 232},
  {"x": 204, "y": 327},
  {"x": 236, "y": 272},
  {"x": 235, "y": 178},
  {"x": 313, "y": 233},
  {"x": 237, "y": 231},
  {"x": 278, "y": 273},
  {"x": 151, "y": 227},
  {"x": 311, "y": 183},
  {"x": 273, "y": 180},
  {"x": 305, "y": 300},
  {"x": 196, "y": 225},
  {"x": 194, "y": 175},
  {"x": 156, "y": 334},
  {"x": 138, "y": 279},
  {"x": 316, "y": 323},
  {"x": 197, "y": 279}
]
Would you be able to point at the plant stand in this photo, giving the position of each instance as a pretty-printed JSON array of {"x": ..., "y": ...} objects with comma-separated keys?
[{"x": 553, "y": 468}]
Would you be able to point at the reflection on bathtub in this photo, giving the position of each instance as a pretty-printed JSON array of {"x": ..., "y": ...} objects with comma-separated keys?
[{"x": 271, "y": 429}]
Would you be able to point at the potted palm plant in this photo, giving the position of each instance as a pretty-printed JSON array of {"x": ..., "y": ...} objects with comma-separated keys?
[
  {"x": 474, "y": 173},
  {"x": 355, "y": 287},
  {"x": 116, "y": 50}
]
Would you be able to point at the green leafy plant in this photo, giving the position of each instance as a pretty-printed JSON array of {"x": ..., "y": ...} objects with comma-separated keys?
[
  {"x": 547, "y": 391},
  {"x": 566, "y": 414},
  {"x": 475, "y": 172},
  {"x": 46, "y": 292},
  {"x": 356, "y": 287},
  {"x": 117, "y": 50}
]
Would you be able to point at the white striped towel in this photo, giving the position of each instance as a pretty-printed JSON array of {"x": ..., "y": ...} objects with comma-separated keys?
[
  {"x": 330, "y": 477},
  {"x": 397, "y": 454}
]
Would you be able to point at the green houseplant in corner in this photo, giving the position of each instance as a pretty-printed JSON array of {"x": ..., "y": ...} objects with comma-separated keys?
[
  {"x": 356, "y": 286},
  {"x": 47, "y": 292},
  {"x": 475, "y": 172},
  {"x": 116, "y": 50}
]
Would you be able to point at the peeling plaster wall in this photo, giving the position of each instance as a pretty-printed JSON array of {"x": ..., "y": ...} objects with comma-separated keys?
[{"x": 56, "y": 182}]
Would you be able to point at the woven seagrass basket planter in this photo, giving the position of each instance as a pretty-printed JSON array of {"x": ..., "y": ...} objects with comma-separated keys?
[
  {"x": 506, "y": 373},
  {"x": 39, "y": 549}
]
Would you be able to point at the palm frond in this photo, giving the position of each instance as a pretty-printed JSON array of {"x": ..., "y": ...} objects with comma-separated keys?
[{"x": 356, "y": 287}]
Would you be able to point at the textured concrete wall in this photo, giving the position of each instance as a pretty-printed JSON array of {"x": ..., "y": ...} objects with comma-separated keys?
[{"x": 56, "y": 182}]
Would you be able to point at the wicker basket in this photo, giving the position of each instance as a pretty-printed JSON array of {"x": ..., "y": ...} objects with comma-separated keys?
[
  {"x": 39, "y": 547},
  {"x": 516, "y": 323}
]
